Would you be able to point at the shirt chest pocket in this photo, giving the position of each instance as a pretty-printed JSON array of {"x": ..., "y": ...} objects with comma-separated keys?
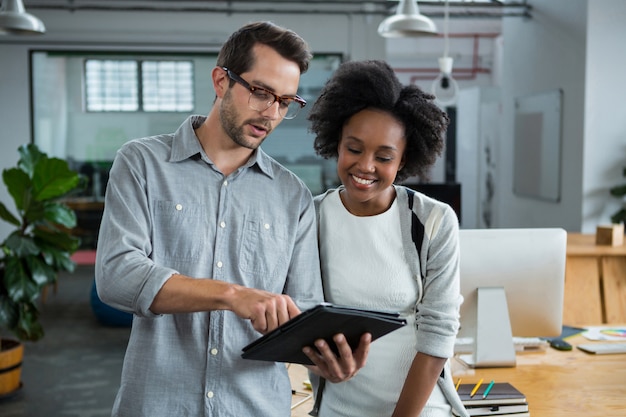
[
  {"x": 180, "y": 230},
  {"x": 265, "y": 249}
]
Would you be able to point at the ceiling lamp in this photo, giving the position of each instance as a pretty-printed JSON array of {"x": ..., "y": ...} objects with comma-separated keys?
[
  {"x": 407, "y": 22},
  {"x": 15, "y": 21},
  {"x": 444, "y": 88}
]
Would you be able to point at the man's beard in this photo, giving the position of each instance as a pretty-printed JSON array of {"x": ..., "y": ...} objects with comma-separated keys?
[{"x": 228, "y": 117}]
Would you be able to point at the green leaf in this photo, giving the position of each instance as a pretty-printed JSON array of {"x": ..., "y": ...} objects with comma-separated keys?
[
  {"x": 618, "y": 191},
  {"x": 52, "y": 178},
  {"x": 57, "y": 213},
  {"x": 20, "y": 287},
  {"x": 21, "y": 245},
  {"x": 619, "y": 217},
  {"x": 8, "y": 312},
  {"x": 40, "y": 272},
  {"x": 34, "y": 211},
  {"x": 64, "y": 262},
  {"x": 7, "y": 216},
  {"x": 29, "y": 156},
  {"x": 28, "y": 326},
  {"x": 60, "y": 260},
  {"x": 19, "y": 186},
  {"x": 48, "y": 240}
]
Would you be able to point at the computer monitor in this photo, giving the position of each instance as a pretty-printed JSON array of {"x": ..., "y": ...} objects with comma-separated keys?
[{"x": 512, "y": 281}]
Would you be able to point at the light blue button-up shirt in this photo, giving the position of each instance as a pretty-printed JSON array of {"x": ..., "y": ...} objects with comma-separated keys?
[{"x": 169, "y": 210}]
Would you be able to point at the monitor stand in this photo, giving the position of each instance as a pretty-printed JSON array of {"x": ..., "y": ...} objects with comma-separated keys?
[{"x": 493, "y": 343}]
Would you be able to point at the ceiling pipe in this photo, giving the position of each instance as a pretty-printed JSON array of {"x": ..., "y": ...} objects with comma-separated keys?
[{"x": 478, "y": 10}]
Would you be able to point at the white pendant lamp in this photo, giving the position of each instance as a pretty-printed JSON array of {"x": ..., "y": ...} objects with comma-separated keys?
[
  {"x": 444, "y": 88},
  {"x": 15, "y": 21},
  {"x": 407, "y": 22}
]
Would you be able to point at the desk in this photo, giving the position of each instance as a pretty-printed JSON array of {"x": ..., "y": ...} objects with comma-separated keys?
[
  {"x": 556, "y": 383},
  {"x": 595, "y": 282},
  {"x": 559, "y": 384}
]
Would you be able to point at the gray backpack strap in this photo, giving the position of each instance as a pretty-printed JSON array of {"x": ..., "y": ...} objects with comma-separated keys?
[
  {"x": 417, "y": 228},
  {"x": 318, "y": 398}
]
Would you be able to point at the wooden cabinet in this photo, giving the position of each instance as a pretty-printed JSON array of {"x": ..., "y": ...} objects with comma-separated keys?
[{"x": 595, "y": 282}]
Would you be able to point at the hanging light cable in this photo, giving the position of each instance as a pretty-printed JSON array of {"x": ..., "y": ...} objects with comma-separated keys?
[
  {"x": 444, "y": 88},
  {"x": 15, "y": 21}
]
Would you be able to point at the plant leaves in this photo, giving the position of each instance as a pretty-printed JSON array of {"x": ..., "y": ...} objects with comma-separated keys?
[
  {"x": 18, "y": 184},
  {"x": 52, "y": 178},
  {"x": 618, "y": 190},
  {"x": 21, "y": 245},
  {"x": 8, "y": 312},
  {"x": 29, "y": 156},
  {"x": 28, "y": 326},
  {"x": 20, "y": 288},
  {"x": 619, "y": 216},
  {"x": 34, "y": 211},
  {"x": 7, "y": 216},
  {"x": 60, "y": 214},
  {"x": 40, "y": 246},
  {"x": 40, "y": 272},
  {"x": 54, "y": 241}
]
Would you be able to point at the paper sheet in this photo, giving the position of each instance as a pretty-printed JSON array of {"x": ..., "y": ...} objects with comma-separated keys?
[{"x": 605, "y": 333}]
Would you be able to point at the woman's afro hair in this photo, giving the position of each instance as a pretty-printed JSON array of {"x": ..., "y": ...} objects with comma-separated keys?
[{"x": 358, "y": 85}]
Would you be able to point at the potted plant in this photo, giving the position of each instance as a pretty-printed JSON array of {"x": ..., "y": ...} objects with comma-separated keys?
[
  {"x": 619, "y": 191},
  {"x": 34, "y": 252}
]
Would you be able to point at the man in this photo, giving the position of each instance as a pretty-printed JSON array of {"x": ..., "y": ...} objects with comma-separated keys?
[{"x": 210, "y": 243}]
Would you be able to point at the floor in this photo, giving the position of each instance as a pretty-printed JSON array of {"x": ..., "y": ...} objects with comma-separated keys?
[{"x": 74, "y": 370}]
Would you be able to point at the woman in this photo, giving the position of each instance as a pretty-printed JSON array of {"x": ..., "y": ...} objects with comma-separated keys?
[{"x": 384, "y": 246}]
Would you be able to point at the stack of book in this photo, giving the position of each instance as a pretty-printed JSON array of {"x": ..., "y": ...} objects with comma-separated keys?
[{"x": 502, "y": 399}]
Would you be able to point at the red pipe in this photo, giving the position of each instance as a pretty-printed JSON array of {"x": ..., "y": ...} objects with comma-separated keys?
[{"x": 457, "y": 73}]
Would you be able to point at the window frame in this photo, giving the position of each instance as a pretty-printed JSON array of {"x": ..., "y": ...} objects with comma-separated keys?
[{"x": 186, "y": 106}]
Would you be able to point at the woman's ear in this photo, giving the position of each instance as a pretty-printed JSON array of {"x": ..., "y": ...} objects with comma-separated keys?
[{"x": 402, "y": 163}]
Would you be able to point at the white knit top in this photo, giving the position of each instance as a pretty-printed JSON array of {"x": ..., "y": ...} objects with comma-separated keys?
[{"x": 363, "y": 265}]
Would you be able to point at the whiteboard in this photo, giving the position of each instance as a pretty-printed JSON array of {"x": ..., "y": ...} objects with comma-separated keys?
[{"x": 537, "y": 146}]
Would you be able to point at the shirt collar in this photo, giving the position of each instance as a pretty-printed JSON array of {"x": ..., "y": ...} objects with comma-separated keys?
[{"x": 187, "y": 145}]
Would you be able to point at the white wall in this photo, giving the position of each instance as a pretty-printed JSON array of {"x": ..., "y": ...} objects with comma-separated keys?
[
  {"x": 577, "y": 46},
  {"x": 604, "y": 153},
  {"x": 542, "y": 54}
]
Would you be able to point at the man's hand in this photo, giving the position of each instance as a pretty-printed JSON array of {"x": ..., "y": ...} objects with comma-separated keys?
[
  {"x": 183, "y": 294},
  {"x": 337, "y": 369},
  {"x": 265, "y": 310}
]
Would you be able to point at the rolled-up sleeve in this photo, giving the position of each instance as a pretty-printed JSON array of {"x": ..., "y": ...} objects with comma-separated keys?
[
  {"x": 126, "y": 276},
  {"x": 437, "y": 315}
]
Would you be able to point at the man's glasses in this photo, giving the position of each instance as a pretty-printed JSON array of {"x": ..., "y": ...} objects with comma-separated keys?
[{"x": 261, "y": 99}]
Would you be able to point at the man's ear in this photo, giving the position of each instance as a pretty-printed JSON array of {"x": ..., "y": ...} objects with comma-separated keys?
[{"x": 221, "y": 81}]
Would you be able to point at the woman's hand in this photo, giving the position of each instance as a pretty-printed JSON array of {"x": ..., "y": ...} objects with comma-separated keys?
[{"x": 338, "y": 368}]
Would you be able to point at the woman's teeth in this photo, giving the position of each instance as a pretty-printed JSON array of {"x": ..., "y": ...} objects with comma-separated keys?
[{"x": 362, "y": 180}]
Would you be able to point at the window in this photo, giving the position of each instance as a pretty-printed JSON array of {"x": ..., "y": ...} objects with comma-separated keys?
[
  {"x": 132, "y": 85},
  {"x": 111, "y": 85},
  {"x": 87, "y": 104}
]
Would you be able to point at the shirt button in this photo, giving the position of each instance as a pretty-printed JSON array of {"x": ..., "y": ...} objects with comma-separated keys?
[
  {"x": 219, "y": 264},
  {"x": 267, "y": 226},
  {"x": 225, "y": 183},
  {"x": 209, "y": 394},
  {"x": 179, "y": 207},
  {"x": 213, "y": 351},
  {"x": 222, "y": 224}
]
